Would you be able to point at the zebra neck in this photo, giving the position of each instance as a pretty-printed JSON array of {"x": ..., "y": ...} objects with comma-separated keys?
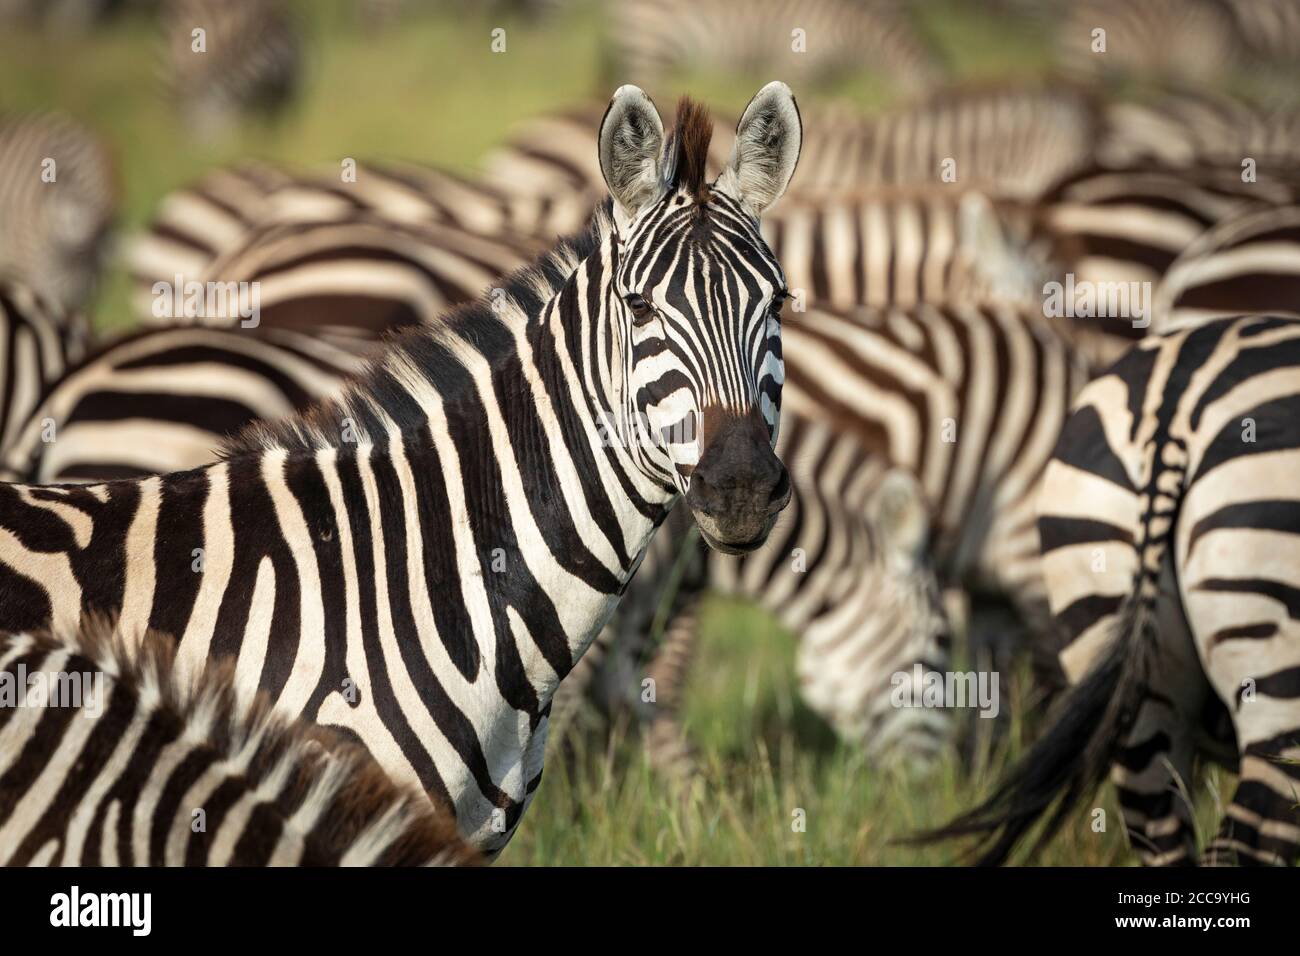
[{"x": 484, "y": 446}]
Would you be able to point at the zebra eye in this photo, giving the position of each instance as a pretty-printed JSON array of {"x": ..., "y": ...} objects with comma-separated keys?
[
  {"x": 642, "y": 310},
  {"x": 778, "y": 303}
]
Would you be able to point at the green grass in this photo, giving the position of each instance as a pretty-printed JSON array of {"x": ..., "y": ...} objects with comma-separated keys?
[
  {"x": 432, "y": 90},
  {"x": 762, "y": 756}
]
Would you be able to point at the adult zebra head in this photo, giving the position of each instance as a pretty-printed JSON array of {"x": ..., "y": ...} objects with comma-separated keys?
[{"x": 696, "y": 302}]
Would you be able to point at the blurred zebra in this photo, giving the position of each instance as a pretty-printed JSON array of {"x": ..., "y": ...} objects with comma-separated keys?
[
  {"x": 915, "y": 439},
  {"x": 336, "y": 271},
  {"x": 1171, "y": 541},
  {"x": 230, "y": 211},
  {"x": 229, "y": 58},
  {"x": 903, "y": 247},
  {"x": 1250, "y": 263},
  {"x": 194, "y": 225},
  {"x": 351, "y": 280},
  {"x": 1183, "y": 129},
  {"x": 58, "y": 200},
  {"x": 803, "y": 38},
  {"x": 36, "y": 348},
  {"x": 1192, "y": 42},
  {"x": 1005, "y": 143},
  {"x": 1268, "y": 29},
  {"x": 164, "y": 400},
  {"x": 1110, "y": 226},
  {"x": 122, "y": 763}
]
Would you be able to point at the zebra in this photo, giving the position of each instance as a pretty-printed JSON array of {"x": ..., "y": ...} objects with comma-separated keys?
[
  {"x": 1268, "y": 29},
  {"x": 363, "y": 270},
  {"x": 914, "y": 438},
  {"x": 1247, "y": 263},
  {"x": 358, "y": 277},
  {"x": 907, "y": 246},
  {"x": 38, "y": 343},
  {"x": 1005, "y": 143},
  {"x": 195, "y": 224},
  {"x": 1193, "y": 42},
  {"x": 1129, "y": 224},
  {"x": 226, "y": 58},
  {"x": 476, "y": 501},
  {"x": 651, "y": 38},
  {"x": 351, "y": 279},
  {"x": 203, "y": 229},
  {"x": 1179, "y": 128},
  {"x": 1168, "y": 521},
  {"x": 106, "y": 759},
  {"x": 58, "y": 200},
  {"x": 163, "y": 400}
]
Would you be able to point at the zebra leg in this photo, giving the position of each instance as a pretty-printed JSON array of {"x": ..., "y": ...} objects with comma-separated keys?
[
  {"x": 1153, "y": 768},
  {"x": 1151, "y": 773},
  {"x": 667, "y": 747},
  {"x": 1253, "y": 671},
  {"x": 1262, "y": 824}
]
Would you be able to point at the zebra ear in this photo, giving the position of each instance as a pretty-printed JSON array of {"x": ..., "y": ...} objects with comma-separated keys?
[
  {"x": 631, "y": 144},
  {"x": 768, "y": 139},
  {"x": 898, "y": 513}
]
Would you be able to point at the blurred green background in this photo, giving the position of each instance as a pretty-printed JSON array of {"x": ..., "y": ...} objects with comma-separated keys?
[{"x": 429, "y": 89}]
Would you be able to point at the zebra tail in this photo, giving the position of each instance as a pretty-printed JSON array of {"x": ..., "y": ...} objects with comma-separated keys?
[{"x": 1072, "y": 756}]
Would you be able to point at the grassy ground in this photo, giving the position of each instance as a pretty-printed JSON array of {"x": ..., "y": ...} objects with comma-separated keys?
[
  {"x": 762, "y": 757},
  {"x": 432, "y": 90}
]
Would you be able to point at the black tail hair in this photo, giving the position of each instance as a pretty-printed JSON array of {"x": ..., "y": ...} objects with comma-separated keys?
[{"x": 1071, "y": 757}]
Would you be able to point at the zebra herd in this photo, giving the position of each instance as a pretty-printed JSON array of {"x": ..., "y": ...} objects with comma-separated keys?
[{"x": 382, "y": 540}]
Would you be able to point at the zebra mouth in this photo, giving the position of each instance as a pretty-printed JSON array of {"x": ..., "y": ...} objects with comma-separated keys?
[{"x": 737, "y": 547}]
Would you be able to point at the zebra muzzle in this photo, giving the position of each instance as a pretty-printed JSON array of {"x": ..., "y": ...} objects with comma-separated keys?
[{"x": 738, "y": 488}]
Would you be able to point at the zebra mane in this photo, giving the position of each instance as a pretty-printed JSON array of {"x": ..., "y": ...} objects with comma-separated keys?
[
  {"x": 305, "y": 764},
  {"x": 688, "y": 147},
  {"x": 427, "y": 353}
]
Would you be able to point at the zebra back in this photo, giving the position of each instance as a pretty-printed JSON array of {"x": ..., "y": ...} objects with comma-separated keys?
[
  {"x": 198, "y": 230},
  {"x": 352, "y": 279},
  {"x": 163, "y": 400},
  {"x": 110, "y": 759},
  {"x": 1126, "y": 226},
  {"x": 907, "y": 246},
  {"x": 1182, "y": 129},
  {"x": 1250, "y": 263},
  {"x": 1006, "y": 143},
  {"x": 195, "y": 224}
]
